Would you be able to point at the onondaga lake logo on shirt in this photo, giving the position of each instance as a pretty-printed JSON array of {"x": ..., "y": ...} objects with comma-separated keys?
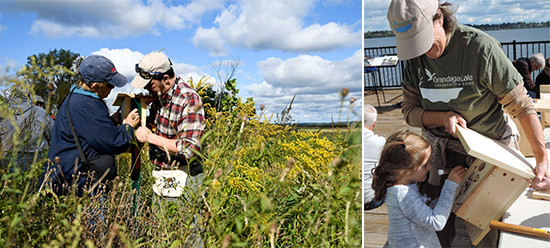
[{"x": 442, "y": 89}]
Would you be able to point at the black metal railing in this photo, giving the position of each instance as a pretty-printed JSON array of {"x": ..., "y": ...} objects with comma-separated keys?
[{"x": 390, "y": 77}]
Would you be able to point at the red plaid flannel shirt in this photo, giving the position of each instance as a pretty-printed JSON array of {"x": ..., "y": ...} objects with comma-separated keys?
[{"x": 181, "y": 117}]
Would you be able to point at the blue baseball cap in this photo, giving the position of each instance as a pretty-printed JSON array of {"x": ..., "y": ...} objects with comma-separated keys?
[{"x": 97, "y": 68}]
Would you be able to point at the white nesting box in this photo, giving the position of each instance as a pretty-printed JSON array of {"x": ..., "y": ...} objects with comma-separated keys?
[{"x": 492, "y": 183}]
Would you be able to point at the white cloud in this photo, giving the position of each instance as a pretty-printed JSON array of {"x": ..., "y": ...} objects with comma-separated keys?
[
  {"x": 316, "y": 82},
  {"x": 494, "y": 12},
  {"x": 375, "y": 12},
  {"x": 8, "y": 67},
  {"x": 469, "y": 12},
  {"x": 106, "y": 18},
  {"x": 313, "y": 107},
  {"x": 312, "y": 74},
  {"x": 209, "y": 40},
  {"x": 266, "y": 24}
]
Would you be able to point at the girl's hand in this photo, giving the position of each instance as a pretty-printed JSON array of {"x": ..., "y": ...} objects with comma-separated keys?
[{"x": 457, "y": 173}]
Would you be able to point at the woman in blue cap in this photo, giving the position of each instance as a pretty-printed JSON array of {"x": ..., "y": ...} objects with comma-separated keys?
[{"x": 91, "y": 123}]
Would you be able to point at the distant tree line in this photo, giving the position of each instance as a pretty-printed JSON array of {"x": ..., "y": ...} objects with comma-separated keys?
[
  {"x": 508, "y": 25},
  {"x": 485, "y": 27}
]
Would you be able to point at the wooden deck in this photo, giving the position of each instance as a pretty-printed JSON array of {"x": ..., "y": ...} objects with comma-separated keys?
[{"x": 390, "y": 119}]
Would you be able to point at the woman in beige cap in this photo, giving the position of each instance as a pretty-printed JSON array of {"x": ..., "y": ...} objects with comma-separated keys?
[{"x": 458, "y": 75}]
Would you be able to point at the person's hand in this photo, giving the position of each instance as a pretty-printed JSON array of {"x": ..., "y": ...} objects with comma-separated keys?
[
  {"x": 450, "y": 121},
  {"x": 456, "y": 174},
  {"x": 142, "y": 133},
  {"x": 542, "y": 176},
  {"x": 132, "y": 118}
]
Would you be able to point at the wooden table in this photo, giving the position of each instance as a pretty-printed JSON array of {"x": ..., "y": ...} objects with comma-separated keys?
[
  {"x": 529, "y": 212},
  {"x": 542, "y": 105},
  {"x": 373, "y": 65}
]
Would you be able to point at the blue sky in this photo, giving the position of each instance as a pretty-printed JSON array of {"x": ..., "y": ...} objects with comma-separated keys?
[
  {"x": 307, "y": 48},
  {"x": 469, "y": 12}
]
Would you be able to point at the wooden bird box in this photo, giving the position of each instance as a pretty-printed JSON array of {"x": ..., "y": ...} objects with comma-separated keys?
[
  {"x": 128, "y": 102},
  {"x": 131, "y": 101},
  {"x": 492, "y": 183}
]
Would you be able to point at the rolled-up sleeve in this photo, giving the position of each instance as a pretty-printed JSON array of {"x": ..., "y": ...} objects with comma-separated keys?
[{"x": 518, "y": 103}]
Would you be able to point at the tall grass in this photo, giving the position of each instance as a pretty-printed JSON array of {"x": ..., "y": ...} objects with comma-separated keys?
[{"x": 265, "y": 185}]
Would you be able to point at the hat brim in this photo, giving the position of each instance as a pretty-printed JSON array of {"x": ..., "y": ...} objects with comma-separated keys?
[
  {"x": 139, "y": 82},
  {"x": 416, "y": 45},
  {"x": 118, "y": 80}
]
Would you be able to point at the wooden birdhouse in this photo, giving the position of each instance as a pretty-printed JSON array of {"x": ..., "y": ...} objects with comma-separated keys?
[
  {"x": 131, "y": 101},
  {"x": 492, "y": 183},
  {"x": 128, "y": 102}
]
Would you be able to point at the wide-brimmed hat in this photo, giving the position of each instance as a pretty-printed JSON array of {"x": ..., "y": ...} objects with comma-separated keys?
[
  {"x": 412, "y": 23},
  {"x": 97, "y": 68},
  {"x": 151, "y": 64}
]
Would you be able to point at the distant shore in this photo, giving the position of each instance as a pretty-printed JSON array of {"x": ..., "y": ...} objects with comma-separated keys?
[{"x": 484, "y": 27}]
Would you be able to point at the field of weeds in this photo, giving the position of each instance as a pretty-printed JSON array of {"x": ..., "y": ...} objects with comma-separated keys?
[{"x": 265, "y": 185}]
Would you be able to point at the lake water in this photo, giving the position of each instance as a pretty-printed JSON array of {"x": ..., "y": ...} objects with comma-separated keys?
[{"x": 530, "y": 34}]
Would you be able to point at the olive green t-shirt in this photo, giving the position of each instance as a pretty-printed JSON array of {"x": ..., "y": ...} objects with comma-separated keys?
[{"x": 467, "y": 78}]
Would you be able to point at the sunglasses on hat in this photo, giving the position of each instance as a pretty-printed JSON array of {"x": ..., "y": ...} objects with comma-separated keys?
[{"x": 148, "y": 75}]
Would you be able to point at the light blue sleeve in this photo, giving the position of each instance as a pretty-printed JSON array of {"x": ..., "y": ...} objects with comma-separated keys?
[{"x": 414, "y": 208}]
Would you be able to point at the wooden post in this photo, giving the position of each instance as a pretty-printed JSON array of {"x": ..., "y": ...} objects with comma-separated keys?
[{"x": 128, "y": 103}]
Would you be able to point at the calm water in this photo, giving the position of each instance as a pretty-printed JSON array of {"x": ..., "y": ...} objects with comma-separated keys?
[{"x": 531, "y": 34}]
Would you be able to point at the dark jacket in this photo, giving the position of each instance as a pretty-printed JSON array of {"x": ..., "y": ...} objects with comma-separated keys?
[
  {"x": 542, "y": 79},
  {"x": 524, "y": 68},
  {"x": 96, "y": 131}
]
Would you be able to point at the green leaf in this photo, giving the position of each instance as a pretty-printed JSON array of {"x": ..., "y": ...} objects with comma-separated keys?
[
  {"x": 240, "y": 244},
  {"x": 176, "y": 243},
  {"x": 239, "y": 225},
  {"x": 344, "y": 191}
]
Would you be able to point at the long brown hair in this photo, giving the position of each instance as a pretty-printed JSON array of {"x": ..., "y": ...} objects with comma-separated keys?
[
  {"x": 403, "y": 151},
  {"x": 449, "y": 20}
]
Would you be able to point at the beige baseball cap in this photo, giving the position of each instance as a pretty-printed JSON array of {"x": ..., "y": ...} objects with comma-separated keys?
[
  {"x": 150, "y": 65},
  {"x": 412, "y": 23}
]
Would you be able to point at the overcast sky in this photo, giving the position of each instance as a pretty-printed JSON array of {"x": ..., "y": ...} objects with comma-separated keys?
[
  {"x": 307, "y": 48},
  {"x": 469, "y": 12}
]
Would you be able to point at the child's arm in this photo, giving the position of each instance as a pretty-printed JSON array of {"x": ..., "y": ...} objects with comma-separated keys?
[
  {"x": 420, "y": 213},
  {"x": 435, "y": 219}
]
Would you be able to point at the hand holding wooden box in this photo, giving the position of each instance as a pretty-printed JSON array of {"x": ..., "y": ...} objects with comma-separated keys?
[{"x": 492, "y": 183}]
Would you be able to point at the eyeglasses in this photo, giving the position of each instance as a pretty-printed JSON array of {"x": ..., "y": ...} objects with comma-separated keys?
[{"x": 146, "y": 74}]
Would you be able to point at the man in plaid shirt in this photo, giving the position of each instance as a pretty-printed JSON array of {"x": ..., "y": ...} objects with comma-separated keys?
[
  {"x": 180, "y": 116},
  {"x": 179, "y": 120}
]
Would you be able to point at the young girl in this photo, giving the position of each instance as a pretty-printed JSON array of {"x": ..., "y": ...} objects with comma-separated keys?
[{"x": 413, "y": 220}]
